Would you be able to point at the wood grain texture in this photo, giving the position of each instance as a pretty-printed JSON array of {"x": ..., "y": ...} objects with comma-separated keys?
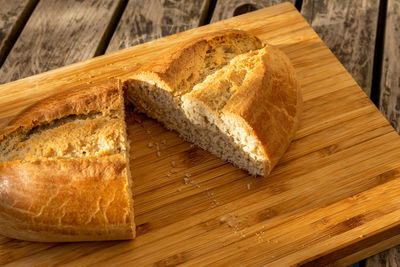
[
  {"x": 12, "y": 15},
  {"x": 9, "y": 13},
  {"x": 390, "y": 103},
  {"x": 58, "y": 33},
  {"x": 390, "y": 238},
  {"x": 349, "y": 29},
  {"x": 225, "y": 9},
  {"x": 390, "y": 257},
  {"x": 390, "y": 82},
  {"x": 145, "y": 20},
  {"x": 334, "y": 192}
]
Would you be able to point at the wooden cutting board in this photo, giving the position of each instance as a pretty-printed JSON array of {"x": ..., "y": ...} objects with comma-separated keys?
[{"x": 333, "y": 197}]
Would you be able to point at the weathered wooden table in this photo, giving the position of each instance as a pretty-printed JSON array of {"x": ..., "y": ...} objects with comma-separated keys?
[{"x": 36, "y": 36}]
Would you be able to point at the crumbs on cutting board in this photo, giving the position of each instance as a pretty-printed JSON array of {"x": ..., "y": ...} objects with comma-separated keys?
[
  {"x": 151, "y": 144},
  {"x": 188, "y": 180},
  {"x": 237, "y": 225},
  {"x": 233, "y": 222}
]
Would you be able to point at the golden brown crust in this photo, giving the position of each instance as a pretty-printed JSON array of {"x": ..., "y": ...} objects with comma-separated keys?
[
  {"x": 89, "y": 199},
  {"x": 182, "y": 58},
  {"x": 97, "y": 97},
  {"x": 270, "y": 103},
  {"x": 64, "y": 200},
  {"x": 85, "y": 199}
]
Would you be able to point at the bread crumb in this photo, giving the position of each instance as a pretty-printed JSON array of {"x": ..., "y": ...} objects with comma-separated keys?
[
  {"x": 198, "y": 186},
  {"x": 168, "y": 174},
  {"x": 158, "y": 154},
  {"x": 150, "y": 145},
  {"x": 186, "y": 180},
  {"x": 163, "y": 141},
  {"x": 223, "y": 218},
  {"x": 248, "y": 186},
  {"x": 188, "y": 175},
  {"x": 260, "y": 239},
  {"x": 173, "y": 164}
]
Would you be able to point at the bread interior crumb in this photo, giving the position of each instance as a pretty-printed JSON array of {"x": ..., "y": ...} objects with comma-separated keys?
[{"x": 194, "y": 110}]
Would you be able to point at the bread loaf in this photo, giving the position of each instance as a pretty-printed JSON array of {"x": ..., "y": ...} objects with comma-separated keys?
[
  {"x": 64, "y": 173},
  {"x": 226, "y": 93},
  {"x": 64, "y": 167}
]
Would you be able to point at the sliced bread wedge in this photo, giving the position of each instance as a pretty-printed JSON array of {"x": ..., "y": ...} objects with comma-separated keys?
[
  {"x": 64, "y": 169},
  {"x": 228, "y": 94}
]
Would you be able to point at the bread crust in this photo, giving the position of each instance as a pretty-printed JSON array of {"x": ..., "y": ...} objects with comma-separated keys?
[
  {"x": 84, "y": 99},
  {"x": 181, "y": 58},
  {"x": 89, "y": 199},
  {"x": 65, "y": 200},
  {"x": 85, "y": 199},
  {"x": 268, "y": 105}
]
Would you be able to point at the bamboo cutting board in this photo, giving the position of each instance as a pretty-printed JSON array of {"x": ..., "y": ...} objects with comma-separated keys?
[{"x": 333, "y": 197}]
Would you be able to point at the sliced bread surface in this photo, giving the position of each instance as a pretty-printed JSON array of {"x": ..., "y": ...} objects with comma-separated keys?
[
  {"x": 64, "y": 169},
  {"x": 228, "y": 94}
]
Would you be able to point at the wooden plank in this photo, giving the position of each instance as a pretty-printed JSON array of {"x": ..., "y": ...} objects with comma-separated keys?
[
  {"x": 143, "y": 20},
  {"x": 333, "y": 192},
  {"x": 225, "y": 9},
  {"x": 58, "y": 33},
  {"x": 390, "y": 257},
  {"x": 389, "y": 103},
  {"x": 348, "y": 28},
  {"x": 13, "y": 15}
]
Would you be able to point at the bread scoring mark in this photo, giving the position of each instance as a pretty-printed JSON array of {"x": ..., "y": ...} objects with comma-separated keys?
[
  {"x": 58, "y": 122},
  {"x": 63, "y": 138}
]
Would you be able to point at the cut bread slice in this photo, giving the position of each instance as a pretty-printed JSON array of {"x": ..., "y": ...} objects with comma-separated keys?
[
  {"x": 226, "y": 93},
  {"x": 64, "y": 169}
]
